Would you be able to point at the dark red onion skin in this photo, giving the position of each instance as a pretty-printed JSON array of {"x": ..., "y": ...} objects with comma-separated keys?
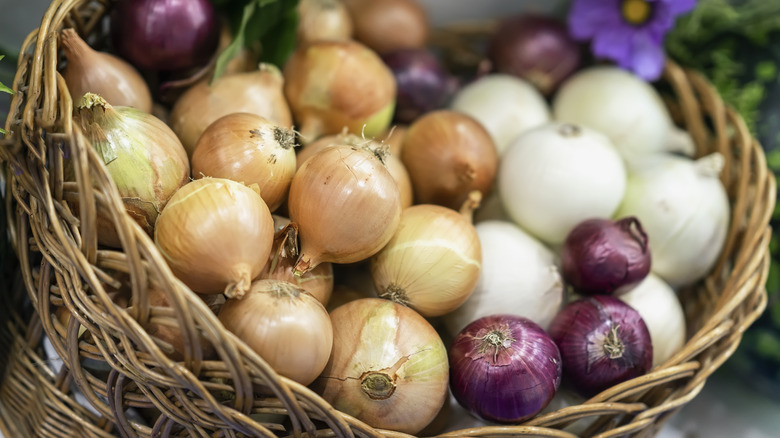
[
  {"x": 165, "y": 35},
  {"x": 509, "y": 383},
  {"x": 536, "y": 48},
  {"x": 602, "y": 256},
  {"x": 423, "y": 83},
  {"x": 579, "y": 331}
]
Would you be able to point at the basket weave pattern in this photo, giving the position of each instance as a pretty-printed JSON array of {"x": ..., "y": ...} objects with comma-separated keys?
[{"x": 62, "y": 266}]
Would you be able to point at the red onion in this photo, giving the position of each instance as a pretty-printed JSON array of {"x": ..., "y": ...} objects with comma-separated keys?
[
  {"x": 165, "y": 35},
  {"x": 603, "y": 341},
  {"x": 504, "y": 368},
  {"x": 536, "y": 48},
  {"x": 601, "y": 256},
  {"x": 423, "y": 84}
]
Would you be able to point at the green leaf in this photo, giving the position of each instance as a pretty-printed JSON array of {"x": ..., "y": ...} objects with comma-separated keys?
[
  {"x": 281, "y": 39},
  {"x": 236, "y": 45},
  {"x": 4, "y": 89},
  {"x": 266, "y": 17}
]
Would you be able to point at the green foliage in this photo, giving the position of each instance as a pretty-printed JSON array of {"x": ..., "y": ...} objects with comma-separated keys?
[{"x": 4, "y": 89}]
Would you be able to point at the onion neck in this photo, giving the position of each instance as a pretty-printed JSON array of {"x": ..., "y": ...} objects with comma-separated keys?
[
  {"x": 243, "y": 280},
  {"x": 613, "y": 346},
  {"x": 568, "y": 130},
  {"x": 493, "y": 346},
  {"x": 710, "y": 165},
  {"x": 395, "y": 293},
  {"x": 377, "y": 385},
  {"x": 471, "y": 204},
  {"x": 75, "y": 48}
]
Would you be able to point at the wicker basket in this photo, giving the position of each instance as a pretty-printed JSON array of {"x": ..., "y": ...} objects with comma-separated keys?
[{"x": 62, "y": 266}]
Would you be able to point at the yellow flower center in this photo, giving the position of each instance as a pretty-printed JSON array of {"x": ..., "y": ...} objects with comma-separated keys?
[{"x": 636, "y": 11}]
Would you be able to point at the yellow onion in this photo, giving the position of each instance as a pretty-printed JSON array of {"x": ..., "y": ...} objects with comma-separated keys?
[
  {"x": 449, "y": 154},
  {"x": 216, "y": 235},
  {"x": 249, "y": 149},
  {"x": 318, "y": 282},
  {"x": 111, "y": 77},
  {"x": 433, "y": 261},
  {"x": 332, "y": 85},
  {"x": 389, "y": 25},
  {"x": 346, "y": 206},
  {"x": 285, "y": 325},
  {"x": 388, "y": 367},
  {"x": 323, "y": 20},
  {"x": 257, "y": 92},
  {"x": 143, "y": 157}
]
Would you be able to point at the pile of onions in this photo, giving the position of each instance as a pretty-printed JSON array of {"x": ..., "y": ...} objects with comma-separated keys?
[
  {"x": 257, "y": 92},
  {"x": 449, "y": 155},
  {"x": 285, "y": 325},
  {"x": 504, "y": 368},
  {"x": 249, "y": 149},
  {"x": 345, "y": 204},
  {"x": 332, "y": 85},
  {"x": 216, "y": 235},
  {"x": 90, "y": 71},
  {"x": 432, "y": 262},
  {"x": 389, "y": 25},
  {"x": 323, "y": 20},
  {"x": 388, "y": 367},
  {"x": 143, "y": 156}
]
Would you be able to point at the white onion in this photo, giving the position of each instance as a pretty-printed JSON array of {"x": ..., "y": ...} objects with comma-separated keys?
[
  {"x": 660, "y": 308},
  {"x": 518, "y": 276},
  {"x": 506, "y": 106},
  {"x": 684, "y": 209},
  {"x": 553, "y": 177}
]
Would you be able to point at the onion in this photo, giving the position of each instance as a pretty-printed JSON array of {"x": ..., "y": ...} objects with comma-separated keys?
[
  {"x": 448, "y": 155},
  {"x": 601, "y": 256},
  {"x": 142, "y": 155},
  {"x": 394, "y": 139},
  {"x": 518, "y": 275},
  {"x": 621, "y": 106},
  {"x": 89, "y": 71},
  {"x": 285, "y": 325},
  {"x": 388, "y": 25},
  {"x": 603, "y": 342},
  {"x": 166, "y": 331},
  {"x": 432, "y": 262},
  {"x": 557, "y": 175},
  {"x": 162, "y": 35},
  {"x": 257, "y": 92},
  {"x": 331, "y": 85},
  {"x": 505, "y": 105},
  {"x": 323, "y": 20},
  {"x": 388, "y": 367},
  {"x": 249, "y": 149},
  {"x": 504, "y": 368},
  {"x": 536, "y": 48},
  {"x": 685, "y": 211},
  {"x": 216, "y": 235},
  {"x": 346, "y": 206},
  {"x": 423, "y": 83}
]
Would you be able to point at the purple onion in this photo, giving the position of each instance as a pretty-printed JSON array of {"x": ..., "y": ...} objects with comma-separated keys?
[
  {"x": 165, "y": 35},
  {"x": 601, "y": 256},
  {"x": 504, "y": 368},
  {"x": 423, "y": 84},
  {"x": 603, "y": 341},
  {"x": 536, "y": 48}
]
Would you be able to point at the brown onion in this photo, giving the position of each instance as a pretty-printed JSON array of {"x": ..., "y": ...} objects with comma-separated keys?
[
  {"x": 285, "y": 325},
  {"x": 114, "y": 79},
  {"x": 216, "y": 235},
  {"x": 448, "y": 155},
  {"x": 388, "y": 367},
  {"x": 346, "y": 206},
  {"x": 389, "y": 25},
  {"x": 249, "y": 149},
  {"x": 257, "y": 92},
  {"x": 323, "y": 20},
  {"x": 332, "y": 85}
]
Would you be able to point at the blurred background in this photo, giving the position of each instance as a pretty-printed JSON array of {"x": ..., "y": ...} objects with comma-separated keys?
[{"x": 728, "y": 41}]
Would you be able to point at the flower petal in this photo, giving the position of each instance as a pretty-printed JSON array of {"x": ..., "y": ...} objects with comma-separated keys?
[
  {"x": 588, "y": 17},
  {"x": 614, "y": 43},
  {"x": 647, "y": 57},
  {"x": 677, "y": 7},
  {"x": 661, "y": 22}
]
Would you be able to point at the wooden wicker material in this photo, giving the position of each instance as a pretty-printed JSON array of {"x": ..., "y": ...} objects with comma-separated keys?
[{"x": 62, "y": 265}]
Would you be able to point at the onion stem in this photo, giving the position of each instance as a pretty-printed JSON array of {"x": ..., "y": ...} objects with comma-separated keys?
[
  {"x": 569, "y": 130},
  {"x": 613, "y": 346},
  {"x": 395, "y": 293},
  {"x": 378, "y": 386}
]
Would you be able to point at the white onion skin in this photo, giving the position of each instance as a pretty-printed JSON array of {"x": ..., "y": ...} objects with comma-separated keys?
[
  {"x": 373, "y": 336},
  {"x": 518, "y": 276}
]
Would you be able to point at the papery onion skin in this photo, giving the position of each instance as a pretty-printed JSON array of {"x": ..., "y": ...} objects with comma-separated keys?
[
  {"x": 603, "y": 342},
  {"x": 285, "y": 325},
  {"x": 388, "y": 367},
  {"x": 602, "y": 256},
  {"x": 216, "y": 235},
  {"x": 257, "y": 92},
  {"x": 388, "y": 25},
  {"x": 250, "y": 149},
  {"x": 448, "y": 155},
  {"x": 346, "y": 206},
  {"x": 504, "y": 368}
]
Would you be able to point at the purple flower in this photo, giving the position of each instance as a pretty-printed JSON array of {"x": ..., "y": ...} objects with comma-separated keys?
[{"x": 629, "y": 32}]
